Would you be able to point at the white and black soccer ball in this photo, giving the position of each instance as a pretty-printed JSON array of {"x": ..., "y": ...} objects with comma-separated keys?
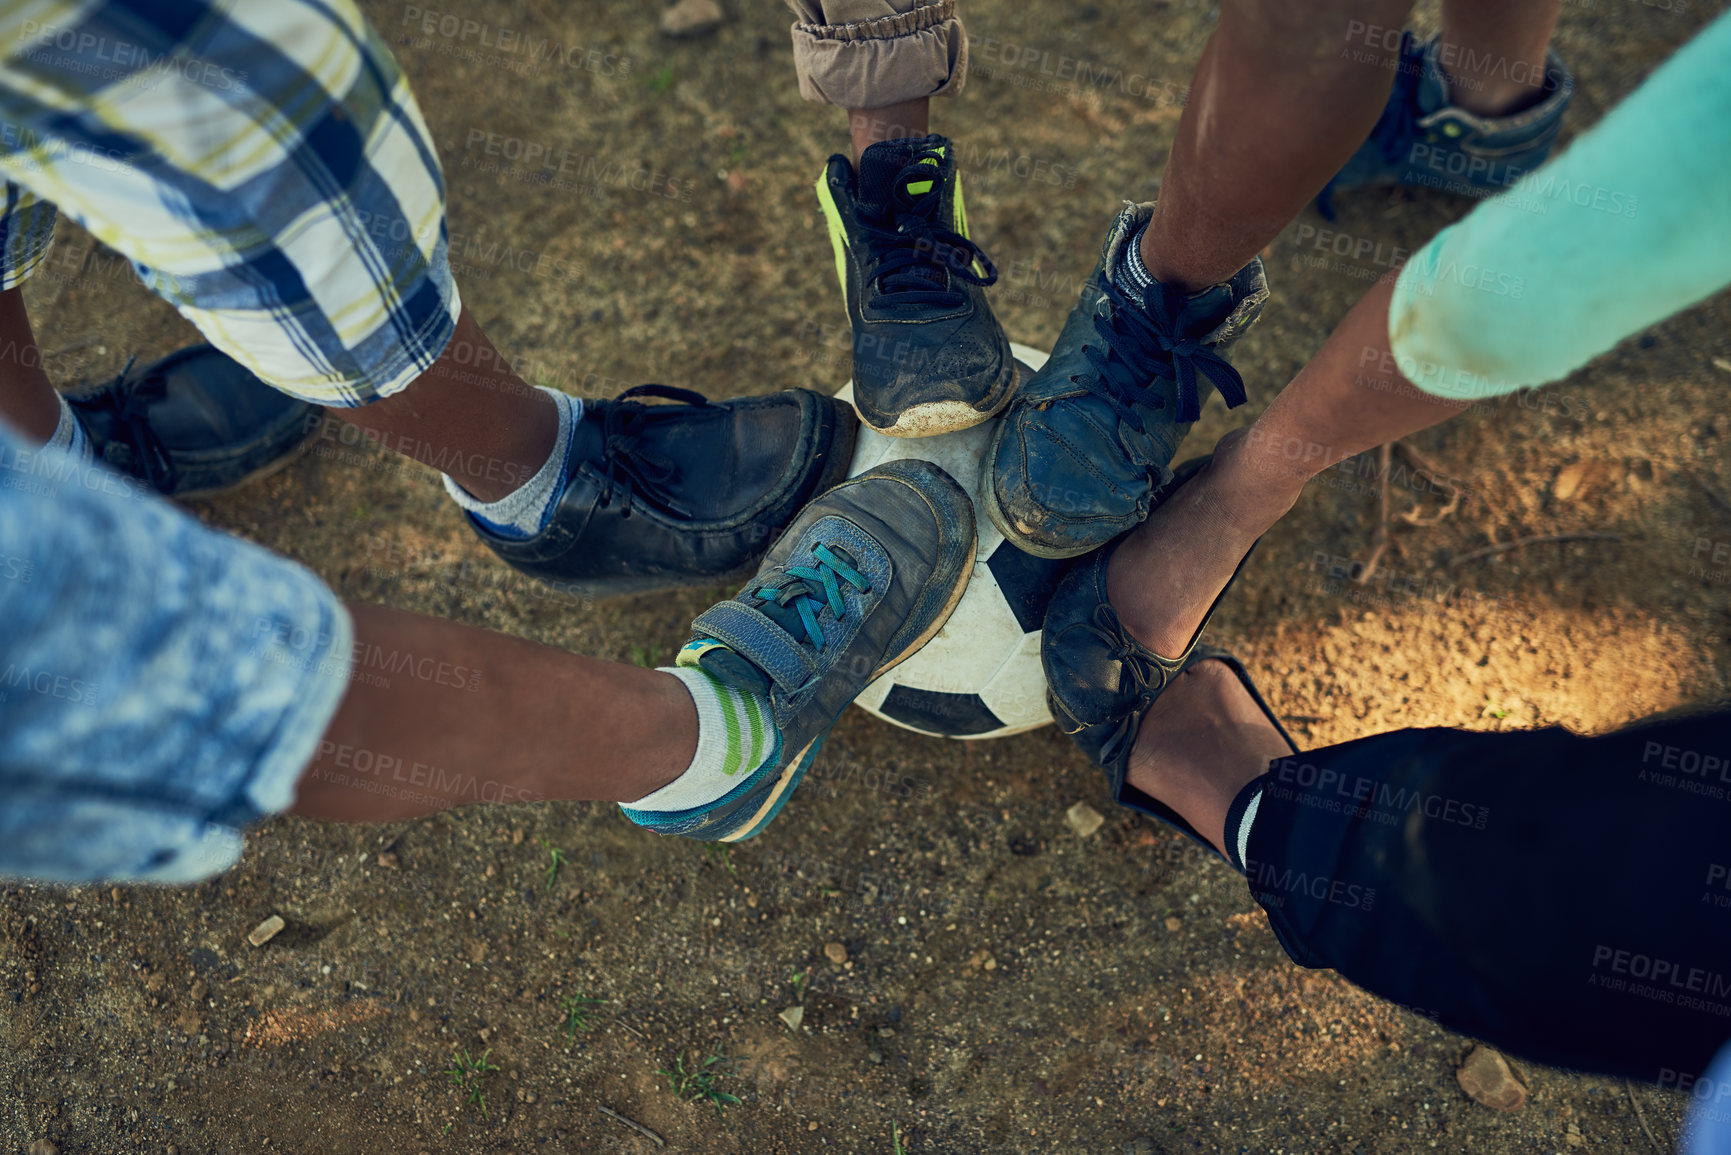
[{"x": 980, "y": 677}]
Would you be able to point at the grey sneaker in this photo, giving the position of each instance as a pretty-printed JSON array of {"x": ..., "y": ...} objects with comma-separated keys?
[{"x": 863, "y": 578}]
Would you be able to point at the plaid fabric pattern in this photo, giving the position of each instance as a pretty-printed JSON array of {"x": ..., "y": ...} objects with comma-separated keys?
[{"x": 261, "y": 162}]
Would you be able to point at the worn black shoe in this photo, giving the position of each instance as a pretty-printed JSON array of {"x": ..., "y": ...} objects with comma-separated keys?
[
  {"x": 1101, "y": 682},
  {"x": 686, "y": 494},
  {"x": 863, "y": 578},
  {"x": 1089, "y": 440},
  {"x": 928, "y": 356},
  {"x": 194, "y": 424}
]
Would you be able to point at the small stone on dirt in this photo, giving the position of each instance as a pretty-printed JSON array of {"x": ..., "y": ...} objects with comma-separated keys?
[
  {"x": 388, "y": 860},
  {"x": 691, "y": 18},
  {"x": 1083, "y": 819},
  {"x": 835, "y": 952},
  {"x": 1141, "y": 1145},
  {"x": 266, "y": 930},
  {"x": 1174, "y": 924},
  {"x": 793, "y": 1016},
  {"x": 1486, "y": 1077},
  {"x": 42, "y": 1147}
]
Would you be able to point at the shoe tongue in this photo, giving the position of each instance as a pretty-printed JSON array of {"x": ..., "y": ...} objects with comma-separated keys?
[
  {"x": 1199, "y": 313},
  {"x": 879, "y": 166},
  {"x": 730, "y": 666}
]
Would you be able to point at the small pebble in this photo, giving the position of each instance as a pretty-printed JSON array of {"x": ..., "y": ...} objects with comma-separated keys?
[
  {"x": 876, "y": 1056},
  {"x": 266, "y": 930},
  {"x": 793, "y": 1016},
  {"x": 42, "y": 1147},
  {"x": 1083, "y": 819},
  {"x": 1486, "y": 1077},
  {"x": 835, "y": 952},
  {"x": 691, "y": 18},
  {"x": 1174, "y": 924}
]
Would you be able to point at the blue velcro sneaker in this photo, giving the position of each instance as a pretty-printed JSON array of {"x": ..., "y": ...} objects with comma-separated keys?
[
  {"x": 1423, "y": 140},
  {"x": 865, "y": 576},
  {"x": 1082, "y": 449}
]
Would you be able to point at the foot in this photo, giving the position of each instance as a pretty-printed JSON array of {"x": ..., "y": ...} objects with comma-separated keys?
[
  {"x": 1164, "y": 577},
  {"x": 1088, "y": 442},
  {"x": 194, "y": 424},
  {"x": 1201, "y": 743},
  {"x": 690, "y": 493},
  {"x": 863, "y": 578},
  {"x": 928, "y": 355},
  {"x": 1424, "y": 140}
]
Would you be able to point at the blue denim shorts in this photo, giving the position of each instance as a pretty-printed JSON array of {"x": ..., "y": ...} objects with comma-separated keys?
[{"x": 162, "y": 685}]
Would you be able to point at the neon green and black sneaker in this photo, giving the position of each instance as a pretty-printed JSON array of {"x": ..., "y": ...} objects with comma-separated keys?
[{"x": 928, "y": 356}]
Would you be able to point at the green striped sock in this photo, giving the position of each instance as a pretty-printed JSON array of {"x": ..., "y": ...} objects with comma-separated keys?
[{"x": 735, "y": 735}]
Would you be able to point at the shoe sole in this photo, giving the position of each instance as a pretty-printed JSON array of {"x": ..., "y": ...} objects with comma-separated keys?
[
  {"x": 268, "y": 469},
  {"x": 783, "y": 789},
  {"x": 1007, "y": 527},
  {"x": 939, "y": 417}
]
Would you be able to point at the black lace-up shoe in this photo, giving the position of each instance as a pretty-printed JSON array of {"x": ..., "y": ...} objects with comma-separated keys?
[
  {"x": 686, "y": 494},
  {"x": 928, "y": 356},
  {"x": 194, "y": 424}
]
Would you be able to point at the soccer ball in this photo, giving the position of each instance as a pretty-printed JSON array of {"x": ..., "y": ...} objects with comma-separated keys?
[{"x": 980, "y": 677}]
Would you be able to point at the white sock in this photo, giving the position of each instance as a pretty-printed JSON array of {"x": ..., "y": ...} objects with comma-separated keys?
[
  {"x": 524, "y": 511},
  {"x": 736, "y": 734},
  {"x": 69, "y": 435}
]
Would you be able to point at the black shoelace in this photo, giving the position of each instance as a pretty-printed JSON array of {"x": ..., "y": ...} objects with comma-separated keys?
[
  {"x": 911, "y": 256},
  {"x": 128, "y": 399},
  {"x": 1140, "y": 345},
  {"x": 629, "y": 468}
]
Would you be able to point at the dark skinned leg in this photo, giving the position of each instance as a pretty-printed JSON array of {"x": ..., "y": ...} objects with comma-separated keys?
[
  {"x": 27, "y": 400},
  {"x": 540, "y": 724},
  {"x": 867, "y": 126}
]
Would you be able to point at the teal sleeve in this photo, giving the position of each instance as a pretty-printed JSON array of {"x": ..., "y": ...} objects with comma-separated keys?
[{"x": 1628, "y": 226}]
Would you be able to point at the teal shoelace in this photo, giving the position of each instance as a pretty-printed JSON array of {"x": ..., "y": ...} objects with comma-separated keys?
[{"x": 816, "y": 588}]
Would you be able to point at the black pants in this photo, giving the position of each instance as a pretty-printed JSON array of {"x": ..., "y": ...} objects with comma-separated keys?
[{"x": 1563, "y": 898}]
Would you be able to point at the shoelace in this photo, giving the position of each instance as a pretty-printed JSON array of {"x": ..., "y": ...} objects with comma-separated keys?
[
  {"x": 1139, "y": 344},
  {"x": 1135, "y": 669},
  {"x": 628, "y": 467},
  {"x": 815, "y": 589},
  {"x": 129, "y": 399},
  {"x": 912, "y": 257}
]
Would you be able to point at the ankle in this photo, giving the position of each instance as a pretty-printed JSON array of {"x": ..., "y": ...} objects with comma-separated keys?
[{"x": 1493, "y": 98}]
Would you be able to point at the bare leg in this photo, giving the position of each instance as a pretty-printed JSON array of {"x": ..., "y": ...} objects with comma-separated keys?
[
  {"x": 1349, "y": 398},
  {"x": 541, "y": 724},
  {"x": 468, "y": 415},
  {"x": 1494, "y": 52},
  {"x": 1203, "y": 741},
  {"x": 27, "y": 400},
  {"x": 1275, "y": 109},
  {"x": 867, "y": 126}
]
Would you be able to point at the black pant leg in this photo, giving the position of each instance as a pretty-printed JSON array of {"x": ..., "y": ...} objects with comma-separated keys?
[{"x": 1564, "y": 898}]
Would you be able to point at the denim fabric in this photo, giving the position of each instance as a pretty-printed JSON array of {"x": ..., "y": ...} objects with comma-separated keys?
[{"x": 162, "y": 684}]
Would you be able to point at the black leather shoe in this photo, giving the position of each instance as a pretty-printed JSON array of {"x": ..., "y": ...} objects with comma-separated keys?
[
  {"x": 194, "y": 424},
  {"x": 687, "y": 494}
]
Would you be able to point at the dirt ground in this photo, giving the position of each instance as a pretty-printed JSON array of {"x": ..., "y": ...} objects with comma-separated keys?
[{"x": 1007, "y": 985}]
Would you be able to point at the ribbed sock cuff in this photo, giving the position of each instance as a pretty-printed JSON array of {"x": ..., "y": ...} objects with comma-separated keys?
[
  {"x": 735, "y": 735},
  {"x": 1240, "y": 817},
  {"x": 1131, "y": 275},
  {"x": 69, "y": 436},
  {"x": 524, "y": 511}
]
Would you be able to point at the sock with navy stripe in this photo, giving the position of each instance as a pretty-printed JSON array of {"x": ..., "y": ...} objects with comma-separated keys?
[
  {"x": 1130, "y": 274},
  {"x": 525, "y": 511},
  {"x": 736, "y": 735}
]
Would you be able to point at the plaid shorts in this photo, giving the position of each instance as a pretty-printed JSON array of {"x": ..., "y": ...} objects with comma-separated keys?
[{"x": 261, "y": 163}]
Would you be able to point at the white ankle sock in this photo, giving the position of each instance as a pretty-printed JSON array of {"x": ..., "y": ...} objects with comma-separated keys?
[
  {"x": 524, "y": 511},
  {"x": 735, "y": 735},
  {"x": 69, "y": 435}
]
